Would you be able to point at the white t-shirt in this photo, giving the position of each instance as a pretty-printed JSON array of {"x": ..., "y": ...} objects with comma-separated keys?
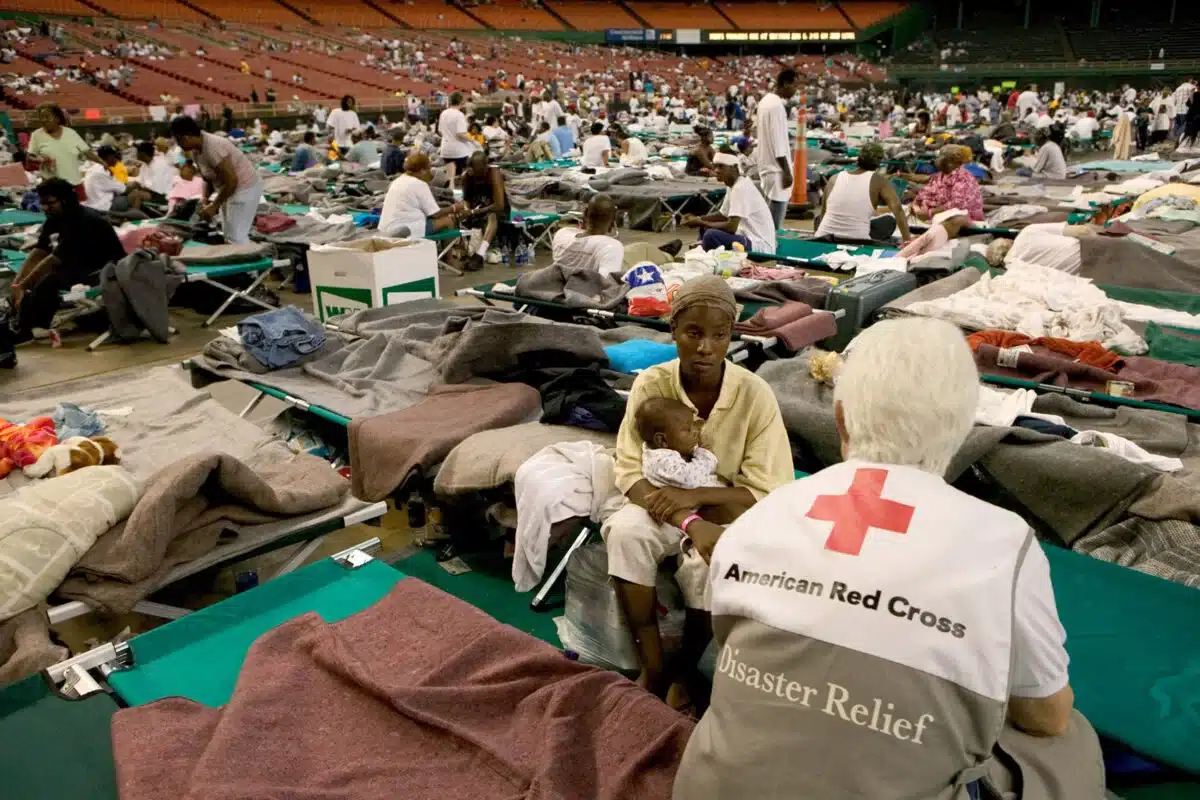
[
  {"x": 101, "y": 187},
  {"x": 1026, "y": 101},
  {"x": 594, "y": 148},
  {"x": 409, "y": 202},
  {"x": 451, "y": 123},
  {"x": 342, "y": 122},
  {"x": 1085, "y": 127},
  {"x": 771, "y": 128},
  {"x": 551, "y": 111},
  {"x": 158, "y": 175},
  {"x": 604, "y": 254},
  {"x": 754, "y": 215},
  {"x": 1047, "y": 245},
  {"x": 637, "y": 151}
]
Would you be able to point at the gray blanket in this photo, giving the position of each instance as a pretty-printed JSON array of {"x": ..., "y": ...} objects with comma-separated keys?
[
  {"x": 136, "y": 291},
  {"x": 577, "y": 287},
  {"x": 1124, "y": 263},
  {"x": 157, "y": 418},
  {"x": 812, "y": 291},
  {"x": 309, "y": 230},
  {"x": 206, "y": 255},
  {"x": 1067, "y": 490}
]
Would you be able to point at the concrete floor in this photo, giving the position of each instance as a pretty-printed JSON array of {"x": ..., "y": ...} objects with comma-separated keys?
[{"x": 41, "y": 366}]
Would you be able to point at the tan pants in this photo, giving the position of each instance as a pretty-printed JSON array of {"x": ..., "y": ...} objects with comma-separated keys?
[
  {"x": 1049, "y": 767},
  {"x": 540, "y": 151},
  {"x": 637, "y": 545},
  {"x": 637, "y": 252}
]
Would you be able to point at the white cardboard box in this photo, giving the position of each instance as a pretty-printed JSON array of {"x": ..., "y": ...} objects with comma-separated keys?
[{"x": 371, "y": 273}]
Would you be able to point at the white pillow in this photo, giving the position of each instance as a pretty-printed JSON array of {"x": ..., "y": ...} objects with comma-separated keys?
[{"x": 46, "y": 527}]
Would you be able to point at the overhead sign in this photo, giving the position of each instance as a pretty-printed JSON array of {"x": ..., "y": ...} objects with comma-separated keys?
[
  {"x": 779, "y": 36},
  {"x": 630, "y": 35}
]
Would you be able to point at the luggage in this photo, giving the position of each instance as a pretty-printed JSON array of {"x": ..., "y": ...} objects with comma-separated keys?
[{"x": 861, "y": 298}]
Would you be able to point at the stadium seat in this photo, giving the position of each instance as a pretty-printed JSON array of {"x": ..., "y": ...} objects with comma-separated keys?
[
  {"x": 796, "y": 15},
  {"x": 354, "y": 13},
  {"x": 511, "y": 15},
  {"x": 430, "y": 14},
  {"x": 593, "y": 15},
  {"x": 682, "y": 15},
  {"x": 866, "y": 14}
]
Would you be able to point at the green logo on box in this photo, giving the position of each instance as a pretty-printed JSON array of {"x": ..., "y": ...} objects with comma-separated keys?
[{"x": 335, "y": 300}]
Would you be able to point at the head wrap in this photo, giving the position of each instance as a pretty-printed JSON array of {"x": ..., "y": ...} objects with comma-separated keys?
[
  {"x": 725, "y": 159},
  {"x": 958, "y": 152},
  {"x": 707, "y": 291}
]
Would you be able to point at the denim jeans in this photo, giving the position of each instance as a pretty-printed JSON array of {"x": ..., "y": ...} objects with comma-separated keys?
[
  {"x": 778, "y": 211},
  {"x": 712, "y": 238}
]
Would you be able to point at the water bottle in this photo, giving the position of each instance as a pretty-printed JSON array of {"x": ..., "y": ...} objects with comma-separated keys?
[{"x": 416, "y": 517}]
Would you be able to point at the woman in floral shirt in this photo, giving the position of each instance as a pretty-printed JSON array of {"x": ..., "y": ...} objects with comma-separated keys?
[{"x": 950, "y": 187}]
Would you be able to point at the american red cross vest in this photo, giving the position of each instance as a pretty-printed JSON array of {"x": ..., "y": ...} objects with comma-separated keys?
[{"x": 863, "y": 620}]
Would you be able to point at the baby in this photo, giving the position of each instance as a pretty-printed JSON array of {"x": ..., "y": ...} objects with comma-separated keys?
[
  {"x": 672, "y": 457},
  {"x": 671, "y": 451}
]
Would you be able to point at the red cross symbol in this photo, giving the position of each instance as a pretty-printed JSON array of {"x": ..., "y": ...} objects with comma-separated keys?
[{"x": 860, "y": 508}]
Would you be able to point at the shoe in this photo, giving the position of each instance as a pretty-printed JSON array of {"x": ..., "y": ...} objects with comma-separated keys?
[
  {"x": 493, "y": 257},
  {"x": 41, "y": 334},
  {"x": 672, "y": 247},
  {"x": 474, "y": 263}
]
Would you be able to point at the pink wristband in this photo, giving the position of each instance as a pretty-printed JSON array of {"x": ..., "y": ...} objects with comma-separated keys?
[{"x": 688, "y": 521}]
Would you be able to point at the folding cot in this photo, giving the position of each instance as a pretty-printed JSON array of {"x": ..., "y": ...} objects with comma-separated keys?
[
  {"x": 534, "y": 228},
  {"x": 1143, "y": 703},
  {"x": 210, "y": 275}
]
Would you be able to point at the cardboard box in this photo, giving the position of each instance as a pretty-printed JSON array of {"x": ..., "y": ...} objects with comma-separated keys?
[{"x": 371, "y": 273}]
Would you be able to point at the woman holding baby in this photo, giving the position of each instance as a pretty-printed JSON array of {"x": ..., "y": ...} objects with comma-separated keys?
[{"x": 676, "y": 501}]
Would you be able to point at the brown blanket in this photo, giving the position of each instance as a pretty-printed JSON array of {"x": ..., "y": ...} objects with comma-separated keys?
[
  {"x": 186, "y": 508},
  {"x": 385, "y": 449},
  {"x": 419, "y": 696},
  {"x": 25, "y": 646}
]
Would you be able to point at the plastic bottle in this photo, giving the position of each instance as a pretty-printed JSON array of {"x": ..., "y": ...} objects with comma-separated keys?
[{"x": 416, "y": 516}]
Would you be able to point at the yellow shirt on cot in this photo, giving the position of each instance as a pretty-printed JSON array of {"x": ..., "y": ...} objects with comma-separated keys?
[{"x": 744, "y": 429}]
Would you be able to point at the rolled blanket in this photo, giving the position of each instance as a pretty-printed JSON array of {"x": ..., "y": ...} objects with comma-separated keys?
[{"x": 768, "y": 319}]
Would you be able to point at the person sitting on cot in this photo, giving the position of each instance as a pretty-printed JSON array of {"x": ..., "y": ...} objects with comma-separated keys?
[
  {"x": 701, "y": 160},
  {"x": 74, "y": 244},
  {"x": 594, "y": 247},
  {"x": 409, "y": 208},
  {"x": 880, "y": 633},
  {"x": 487, "y": 201},
  {"x": 744, "y": 217},
  {"x": 950, "y": 187},
  {"x": 741, "y": 424},
  {"x": 673, "y": 457},
  {"x": 187, "y": 185}
]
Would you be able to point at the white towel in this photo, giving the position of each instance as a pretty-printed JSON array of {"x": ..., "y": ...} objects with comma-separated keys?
[
  {"x": 1127, "y": 450},
  {"x": 569, "y": 479}
]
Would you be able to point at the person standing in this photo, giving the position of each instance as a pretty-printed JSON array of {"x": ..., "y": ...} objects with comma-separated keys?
[
  {"x": 774, "y": 150},
  {"x": 229, "y": 172},
  {"x": 456, "y": 140},
  {"x": 1182, "y": 97},
  {"x": 59, "y": 149},
  {"x": 343, "y": 121},
  {"x": 1163, "y": 108}
]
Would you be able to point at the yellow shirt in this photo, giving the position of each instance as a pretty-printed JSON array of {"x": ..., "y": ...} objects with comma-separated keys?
[
  {"x": 744, "y": 430},
  {"x": 120, "y": 172}
]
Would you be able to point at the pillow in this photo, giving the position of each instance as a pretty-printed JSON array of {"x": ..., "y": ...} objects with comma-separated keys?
[
  {"x": 638, "y": 354},
  {"x": 46, "y": 527},
  {"x": 490, "y": 459}
]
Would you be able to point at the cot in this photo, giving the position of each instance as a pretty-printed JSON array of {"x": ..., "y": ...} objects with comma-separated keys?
[
  {"x": 534, "y": 228},
  {"x": 19, "y": 218},
  {"x": 210, "y": 275}
]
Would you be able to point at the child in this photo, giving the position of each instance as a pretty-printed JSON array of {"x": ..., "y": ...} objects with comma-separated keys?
[
  {"x": 672, "y": 457},
  {"x": 186, "y": 186}
]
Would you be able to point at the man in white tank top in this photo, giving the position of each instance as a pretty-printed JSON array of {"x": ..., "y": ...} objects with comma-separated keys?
[{"x": 851, "y": 197}]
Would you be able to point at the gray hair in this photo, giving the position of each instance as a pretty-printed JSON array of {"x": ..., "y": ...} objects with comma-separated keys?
[{"x": 908, "y": 391}]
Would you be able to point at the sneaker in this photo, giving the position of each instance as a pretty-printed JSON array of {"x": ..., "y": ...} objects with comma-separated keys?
[
  {"x": 41, "y": 334},
  {"x": 493, "y": 257},
  {"x": 474, "y": 263},
  {"x": 672, "y": 247}
]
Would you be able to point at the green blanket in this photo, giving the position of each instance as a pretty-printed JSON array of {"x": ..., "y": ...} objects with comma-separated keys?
[
  {"x": 1134, "y": 642},
  {"x": 1177, "y": 345}
]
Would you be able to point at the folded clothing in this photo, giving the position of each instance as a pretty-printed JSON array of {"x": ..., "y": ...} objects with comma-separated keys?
[
  {"x": 281, "y": 337},
  {"x": 274, "y": 222},
  {"x": 1090, "y": 353},
  {"x": 794, "y": 324}
]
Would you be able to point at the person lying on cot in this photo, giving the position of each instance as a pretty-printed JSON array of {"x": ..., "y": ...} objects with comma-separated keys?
[
  {"x": 880, "y": 633},
  {"x": 594, "y": 246},
  {"x": 487, "y": 201},
  {"x": 942, "y": 228},
  {"x": 73, "y": 246},
  {"x": 950, "y": 187},
  {"x": 409, "y": 208},
  {"x": 851, "y": 198},
  {"x": 744, "y": 217},
  {"x": 741, "y": 425}
]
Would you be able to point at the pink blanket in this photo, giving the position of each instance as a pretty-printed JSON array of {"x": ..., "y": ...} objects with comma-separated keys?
[
  {"x": 419, "y": 696},
  {"x": 794, "y": 324}
]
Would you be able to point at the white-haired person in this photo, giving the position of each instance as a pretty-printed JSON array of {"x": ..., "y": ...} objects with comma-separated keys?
[
  {"x": 742, "y": 426},
  {"x": 879, "y": 633}
]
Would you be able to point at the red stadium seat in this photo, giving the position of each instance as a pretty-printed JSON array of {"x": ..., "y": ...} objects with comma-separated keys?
[
  {"x": 510, "y": 15},
  {"x": 593, "y": 15},
  {"x": 681, "y": 15},
  {"x": 795, "y": 15}
]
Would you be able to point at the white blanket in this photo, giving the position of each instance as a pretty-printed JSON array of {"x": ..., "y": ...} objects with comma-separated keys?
[
  {"x": 570, "y": 479},
  {"x": 1037, "y": 301}
]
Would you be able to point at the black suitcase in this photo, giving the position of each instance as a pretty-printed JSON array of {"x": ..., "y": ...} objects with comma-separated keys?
[{"x": 860, "y": 298}]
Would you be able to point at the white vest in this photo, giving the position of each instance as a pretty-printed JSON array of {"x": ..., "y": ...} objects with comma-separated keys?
[{"x": 848, "y": 209}]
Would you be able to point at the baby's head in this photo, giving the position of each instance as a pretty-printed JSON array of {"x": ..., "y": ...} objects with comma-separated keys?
[
  {"x": 187, "y": 171},
  {"x": 666, "y": 423}
]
